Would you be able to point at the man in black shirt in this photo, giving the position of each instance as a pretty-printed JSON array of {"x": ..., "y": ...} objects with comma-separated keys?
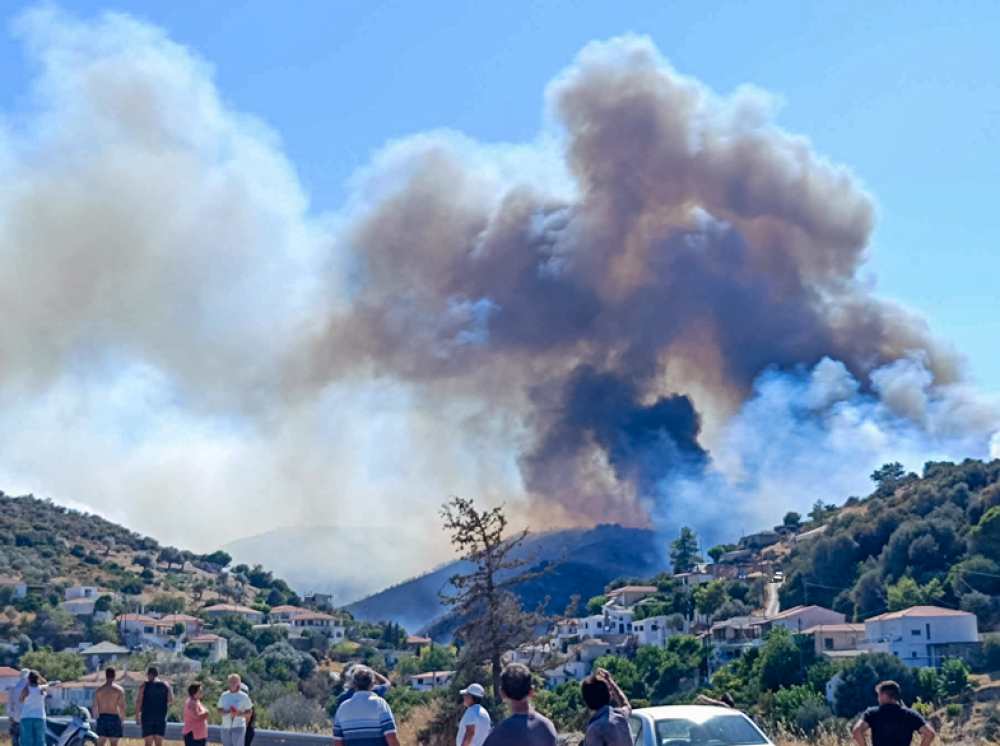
[
  {"x": 892, "y": 724},
  {"x": 151, "y": 706}
]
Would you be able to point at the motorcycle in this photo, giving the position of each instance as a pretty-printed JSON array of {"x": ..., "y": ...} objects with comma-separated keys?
[{"x": 74, "y": 731}]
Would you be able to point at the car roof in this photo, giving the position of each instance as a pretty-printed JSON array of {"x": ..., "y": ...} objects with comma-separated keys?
[{"x": 696, "y": 713}]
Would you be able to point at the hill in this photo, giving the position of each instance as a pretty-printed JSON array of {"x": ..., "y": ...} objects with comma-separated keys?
[
  {"x": 588, "y": 561},
  {"x": 928, "y": 539},
  {"x": 347, "y": 562}
]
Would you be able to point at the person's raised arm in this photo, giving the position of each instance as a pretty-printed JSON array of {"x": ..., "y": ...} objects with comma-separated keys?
[
  {"x": 616, "y": 691},
  {"x": 860, "y": 728},
  {"x": 703, "y": 700}
]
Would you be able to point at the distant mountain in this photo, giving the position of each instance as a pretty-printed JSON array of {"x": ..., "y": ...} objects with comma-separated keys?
[
  {"x": 348, "y": 563},
  {"x": 590, "y": 560}
]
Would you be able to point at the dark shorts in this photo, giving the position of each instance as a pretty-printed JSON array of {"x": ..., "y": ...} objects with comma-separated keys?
[
  {"x": 109, "y": 726},
  {"x": 154, "y": 728},
  {"x": 190, "y": 740}
]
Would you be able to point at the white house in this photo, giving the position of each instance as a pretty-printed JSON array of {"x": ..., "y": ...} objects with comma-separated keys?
[
  {"x": 618, "y": 620},
  {"x": 319, "y": 599},
  {"x": 655, "y": 630},
  {"x": 691, "y": 579},
  {"x": 426, "y": 682},
  {"x": 83, "y": 591},
  {"x": 8, "y": 677},
  {"x": 591, "y": 626},
  {"x": 567, "y": 628},
  {"x": 221, "y": 610},
  {"x": 326, "y": 625},
  {"x": 84, "y": 607},
  {"x": 916, "y": 634},
  {"x": 801, "y": 618},
  {"x": 100, "y": 655},
  {"x": 19, "y": 586},
  {"x": 218, "y": 647},
  {"x": 285, "y": 613}
]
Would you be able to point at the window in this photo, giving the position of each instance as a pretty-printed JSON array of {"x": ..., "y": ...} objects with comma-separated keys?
[
  {"x": 928, "y": 631},
  {"x": 828, "y": 643},
  {"x": 915, "y": 632},
  {"x": 914, "y": 654}
]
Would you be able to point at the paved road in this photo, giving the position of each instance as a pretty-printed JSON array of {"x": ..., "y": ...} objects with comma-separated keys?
[{"x": 773, "y": 602}]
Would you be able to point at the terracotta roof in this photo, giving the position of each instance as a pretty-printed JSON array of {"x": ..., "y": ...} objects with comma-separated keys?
[
  {"x": 286, "y": 608},
  {"x": 633, "y": 589},
  {"x": 796, "y": 610},
  {"x": 96, "y": 679},
  {"x": 834, "y": 628},
  {"x": 918, "y": 611},
  {"x": 313, "y": 616},
  {"x": 233, "y": 608},
  {"x": 105, "y": 648},
  {"x": 416, "y": 640},
  {"x": 137, "y": 618},
  {"x": 10, "y": 580},
  {"x": 8, "y": 671},
  {"x": 205, "y": 639},
  {"x": 175, "y": 618},
  {"x": 432, "y": 674}
]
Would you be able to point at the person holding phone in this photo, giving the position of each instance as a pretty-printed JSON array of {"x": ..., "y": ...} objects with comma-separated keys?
[{"x": 235, "y": 707}]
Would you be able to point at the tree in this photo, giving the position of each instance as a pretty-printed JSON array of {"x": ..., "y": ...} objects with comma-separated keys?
[
  {"x": 710, "y": 597},
  {"x": 54, "y": 666},
  {"x": 596, "y": 605},
  {"x": 888, "y": 477},
  {"x": 856, "y": 691},
  {"x": 780, "y": 661},
  {"x": 984, "y": 538},
  {"x": 792, "y": 521},
  {"x": 217, "y": 557},
  {"x": 170, "y": 557},
  {"x": 166, "y": 604},
  {"x": 437, "y": 658},
  {"x": 954, "y": 677},
  {"x": 684, "y": 551},
  {"x": 103, "y": 603},
  {"x": 718, "y": 550},
  {"x": 494, "y": 620},
  {"x": 907, "y": 593}
]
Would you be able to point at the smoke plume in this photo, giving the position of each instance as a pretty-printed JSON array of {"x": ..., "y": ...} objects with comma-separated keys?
[{"x": 655, "y": 305}]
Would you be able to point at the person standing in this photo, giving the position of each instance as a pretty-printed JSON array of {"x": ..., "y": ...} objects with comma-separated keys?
[
  {"x": 891, "y": 724},
  {"x": 365, "y": 719},
  {"x": 475, "y": 725},
  {"x": 235, "y": 707},
  {"x": 524, "y": 727},
  {"x": 109, "y": 709},
  {"x": 608, "y": 725},
  {"x": 33, "y": 710},
  {"x": 195, "y": 717},
  {"x": 151, "y": 704},
  {"x": 14, "y": 707}
]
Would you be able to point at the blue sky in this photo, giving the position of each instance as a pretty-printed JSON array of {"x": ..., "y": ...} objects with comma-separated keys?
[{"x": 905, "y": 93}]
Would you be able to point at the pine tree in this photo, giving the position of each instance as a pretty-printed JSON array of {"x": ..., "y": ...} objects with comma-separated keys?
[{"x": 684, "y": 551}]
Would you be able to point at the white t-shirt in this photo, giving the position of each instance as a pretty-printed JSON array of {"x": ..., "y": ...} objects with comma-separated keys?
[
  {"x": 477, "y": 716},
  {"x": 34, "y": 704},
  {"x": 239, "y": 700}
]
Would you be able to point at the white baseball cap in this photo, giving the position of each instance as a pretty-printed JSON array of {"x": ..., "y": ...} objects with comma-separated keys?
[{"x": 475, "y": 690}]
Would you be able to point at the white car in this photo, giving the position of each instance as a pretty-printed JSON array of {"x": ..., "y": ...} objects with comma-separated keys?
[{"x": 694, "y": 725}]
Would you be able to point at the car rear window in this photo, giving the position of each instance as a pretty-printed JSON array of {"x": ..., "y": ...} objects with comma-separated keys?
[{"x": 725, "y": 730}]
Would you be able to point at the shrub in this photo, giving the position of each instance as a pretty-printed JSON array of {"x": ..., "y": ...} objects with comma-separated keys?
[
  {"x": 295, "y": 712},
  {"x": 991, "y": 653},
  {"x": 923, "y": 708},
  {"x": 953, "y": 710},
  {"x": 954, "y": 676},
  {"x": 811, "y": 715}
]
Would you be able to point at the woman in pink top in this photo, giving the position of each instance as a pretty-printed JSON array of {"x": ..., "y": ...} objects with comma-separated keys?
[{"x": 195, "y": 717}]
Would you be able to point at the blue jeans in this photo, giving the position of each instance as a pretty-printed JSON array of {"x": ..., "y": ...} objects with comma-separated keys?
[{"x": 32, "y": 732}]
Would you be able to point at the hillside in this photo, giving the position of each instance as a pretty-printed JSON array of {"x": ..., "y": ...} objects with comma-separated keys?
[
  {"x": 326, "y": 558},
  {"x": 928, "y": 539},
  {"x": 590, "y": 559}
]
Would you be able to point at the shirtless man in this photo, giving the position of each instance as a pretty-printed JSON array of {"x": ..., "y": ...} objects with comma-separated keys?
[{"x": 109, "y": 709}]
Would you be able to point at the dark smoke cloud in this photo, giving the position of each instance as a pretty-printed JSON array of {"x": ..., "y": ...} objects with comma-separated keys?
[{"x": 702, "y": 246}]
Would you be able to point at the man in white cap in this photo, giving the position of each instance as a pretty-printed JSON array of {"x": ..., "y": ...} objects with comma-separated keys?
[
  {"x": 475, "y": 725},
  {"x": 14, "y": 707}
]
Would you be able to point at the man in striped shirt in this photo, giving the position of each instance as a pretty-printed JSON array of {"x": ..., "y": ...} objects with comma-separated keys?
[{"x": 365, "y": 719}]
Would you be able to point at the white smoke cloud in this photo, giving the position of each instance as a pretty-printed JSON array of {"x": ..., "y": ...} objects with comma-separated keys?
[{"x": 165, "y": 285}]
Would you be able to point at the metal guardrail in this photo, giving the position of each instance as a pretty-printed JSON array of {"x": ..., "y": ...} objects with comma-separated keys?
[{"x": 261, "y": 737}]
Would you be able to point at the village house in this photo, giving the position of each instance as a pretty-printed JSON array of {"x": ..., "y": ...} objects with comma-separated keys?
[
  {"x": 8, "y": 677},
  {"x": 19, "y": 586},
  {"x": 218, "y": 647},
  {"x": 319, "y": 599},
  {"x": 837, "y": 638},
  {"x": 85, "y": 607},
  {"x": 591, "y": 626},
  {"x": 629, "y": 595},
  {"x": 146, "y": 631},
  {"x": 285, "y": 613},
  {"x": 800, "y": 618},
  {"x": 695, "y": 577},
  {"x": 656, "y": 630},
  {"x": 328, "y": 626},
  {"x": 618, "y": 620},
  {"x": 417, "y": 643},
  {"x": 97, "y": 657},
  {"x": 223, "y": 610},
  {"x": 566, "y": 628},
  {"x": 756, "y": 542},
  {"x": 917, "y": 635},
  {"x": 88, "y": 591},
  {"x": 426, "y": 682},
  {"x": 579, "y": 661},
  {"x": 192, "y": 624}
]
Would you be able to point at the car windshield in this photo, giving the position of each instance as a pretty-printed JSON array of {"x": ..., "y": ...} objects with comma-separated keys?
[{"x": 724, "y": 730}]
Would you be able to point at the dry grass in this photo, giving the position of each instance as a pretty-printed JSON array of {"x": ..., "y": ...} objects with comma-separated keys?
[{"x": 418, "y": 720}]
